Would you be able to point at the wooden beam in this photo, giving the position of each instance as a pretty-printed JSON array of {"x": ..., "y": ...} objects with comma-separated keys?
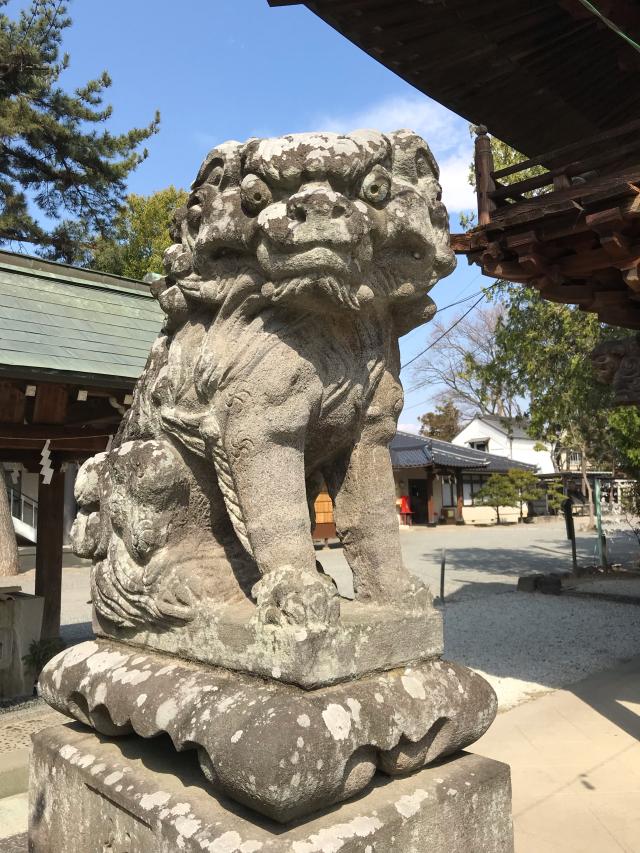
[
  {"x": 460, "y": 243},
  {"x": 431, "y": 520},
  {"x": 459, "y": 498},
  {"x": 598, "y": 259},
  {"x": 12, "y": 403},
  {"x": 559, "y": 153},
  {"x": 51, "y": 404},
  {"x": 49, "y": 552}
]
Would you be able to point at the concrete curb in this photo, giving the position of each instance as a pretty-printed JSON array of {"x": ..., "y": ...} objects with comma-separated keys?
[{"x": 14, "y": 772}]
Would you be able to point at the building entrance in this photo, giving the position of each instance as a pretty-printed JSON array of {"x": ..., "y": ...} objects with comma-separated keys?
[{"x": 418, "y": 498}]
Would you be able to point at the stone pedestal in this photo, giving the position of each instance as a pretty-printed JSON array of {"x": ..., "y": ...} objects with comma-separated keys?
[
  {"x": 129, "y": 796},
  {"x": 283, "y": 751}
]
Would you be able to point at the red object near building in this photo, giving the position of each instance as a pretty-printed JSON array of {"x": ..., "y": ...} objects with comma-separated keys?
[{"x": 406, "y": 513}]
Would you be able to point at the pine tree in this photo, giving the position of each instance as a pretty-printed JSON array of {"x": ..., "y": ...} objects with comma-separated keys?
[
  {"x": 498, "y": 492},
  {"x": 526, "y": 486},
  {"x": 62, "y": 175},
  {"x": 444, "y": 423}
]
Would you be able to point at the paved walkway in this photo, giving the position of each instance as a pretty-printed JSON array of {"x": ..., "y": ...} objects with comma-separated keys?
[{"x": 575, "y": 765}]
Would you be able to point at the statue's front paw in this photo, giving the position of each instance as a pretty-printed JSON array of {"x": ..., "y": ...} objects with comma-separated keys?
[{"x": 286, "y": 596}]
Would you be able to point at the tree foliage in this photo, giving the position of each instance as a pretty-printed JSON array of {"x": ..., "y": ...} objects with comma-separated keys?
[
  {"x": 140, "y": 235},
  {"x": 555, "y": 494},
  {"x": 62, "y": 175},
  {"x": 443, "y": 423}
]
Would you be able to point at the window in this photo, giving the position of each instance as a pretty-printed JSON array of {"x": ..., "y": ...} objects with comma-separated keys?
[
  {"x": 448, "y": 490},
  {"x": 480, "y": 445},
  {"x": 471, "y": 485}
]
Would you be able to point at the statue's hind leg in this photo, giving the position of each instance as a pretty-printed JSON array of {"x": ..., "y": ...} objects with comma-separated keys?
[{"x": 362, "y": 488}]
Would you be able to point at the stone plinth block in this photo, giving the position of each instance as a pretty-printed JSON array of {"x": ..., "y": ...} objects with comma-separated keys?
[
  {"x": 131, "y": 795},
  {"x": 281, "y": 750},
  {"x": 366, "y": 639}
]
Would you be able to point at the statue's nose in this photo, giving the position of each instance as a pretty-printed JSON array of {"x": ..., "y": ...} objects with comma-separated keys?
[{"x": 317, "y": 205}]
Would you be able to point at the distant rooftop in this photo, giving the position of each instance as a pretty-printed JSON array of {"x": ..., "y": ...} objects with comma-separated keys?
[
  {"x": 513, "y": 427},
  {"x": 60, "y": 320},
  {"x": 415, "y": 451}
]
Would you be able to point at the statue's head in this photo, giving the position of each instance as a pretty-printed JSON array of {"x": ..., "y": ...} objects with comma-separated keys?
[{"x": 322, "y": 218}]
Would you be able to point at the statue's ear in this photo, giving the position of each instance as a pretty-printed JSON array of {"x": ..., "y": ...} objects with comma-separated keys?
[
  {"x": 222, "y": 166},
  {"x": 412, "y": 157}
]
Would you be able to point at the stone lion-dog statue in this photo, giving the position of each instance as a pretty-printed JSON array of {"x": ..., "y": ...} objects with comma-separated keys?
[{"x": 298, "y": 262}]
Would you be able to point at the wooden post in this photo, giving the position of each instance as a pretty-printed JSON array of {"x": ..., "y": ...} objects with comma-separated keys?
[
  {"x": 484, "y": 181},
  {"x": 430, "y": 510},
  {"x": 459, "y": 498},
  {"x": 49, "y": 552}
]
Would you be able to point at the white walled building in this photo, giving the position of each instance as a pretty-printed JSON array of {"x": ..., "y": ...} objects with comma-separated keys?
[
  {"x": 504, "y": 437},
  {"x": 440, "y": 481}
]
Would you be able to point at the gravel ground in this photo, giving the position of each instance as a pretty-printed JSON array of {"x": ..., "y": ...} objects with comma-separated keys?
[
  {"x": 611, "y": 586},
  {"x": 527, "y": 644}
]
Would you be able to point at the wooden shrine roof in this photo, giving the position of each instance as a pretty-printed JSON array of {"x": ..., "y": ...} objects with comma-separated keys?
[
  {"x": 573, "y": 231},
  {"x": 58, "y": 322},
  {"x": 538, "y": 74}
]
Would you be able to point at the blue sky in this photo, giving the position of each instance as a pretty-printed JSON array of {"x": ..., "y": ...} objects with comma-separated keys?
[{"x": 230, "y": 69}]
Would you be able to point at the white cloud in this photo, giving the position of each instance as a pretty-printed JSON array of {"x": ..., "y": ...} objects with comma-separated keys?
[
  {"x": 457, "y": 192},
  {"x": 447, "y": 134},
  {"x": 409, "y": 428}
]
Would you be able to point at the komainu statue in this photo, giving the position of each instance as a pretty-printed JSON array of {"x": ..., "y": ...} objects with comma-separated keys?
[{"x": 298, "y": 263}]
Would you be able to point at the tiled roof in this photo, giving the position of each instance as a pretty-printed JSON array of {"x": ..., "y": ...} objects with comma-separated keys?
[
  {"x": 61, "y": 319},
  {"x": 415, "y": 451}
]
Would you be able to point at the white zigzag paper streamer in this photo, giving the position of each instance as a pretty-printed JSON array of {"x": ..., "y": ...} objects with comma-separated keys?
[{"x": 45, "y": 463}]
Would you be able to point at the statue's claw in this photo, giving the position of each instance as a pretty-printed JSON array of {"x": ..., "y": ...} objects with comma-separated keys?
[{"x": 286, "y": 596}]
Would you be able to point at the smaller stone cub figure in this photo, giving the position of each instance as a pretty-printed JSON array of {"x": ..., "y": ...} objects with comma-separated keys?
[{"x": 298, "y": 263}]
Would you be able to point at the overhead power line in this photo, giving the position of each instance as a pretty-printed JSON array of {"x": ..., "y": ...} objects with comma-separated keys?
[{"x": 447, "y": 331}]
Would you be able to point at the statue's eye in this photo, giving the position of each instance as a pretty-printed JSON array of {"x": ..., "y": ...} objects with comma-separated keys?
[
  {"x": 255, "y": 194},
  {"x": 376, "y": 186}
]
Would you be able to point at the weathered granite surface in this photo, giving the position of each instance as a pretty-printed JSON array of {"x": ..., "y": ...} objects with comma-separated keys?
[
  {"x": 617, "y": 363},
  {"x": 366, "y": 639},
  {"x": 297, "y": 264},
  {"x": 281, "y": 750},
  {"x": 129, "y": 797}
]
